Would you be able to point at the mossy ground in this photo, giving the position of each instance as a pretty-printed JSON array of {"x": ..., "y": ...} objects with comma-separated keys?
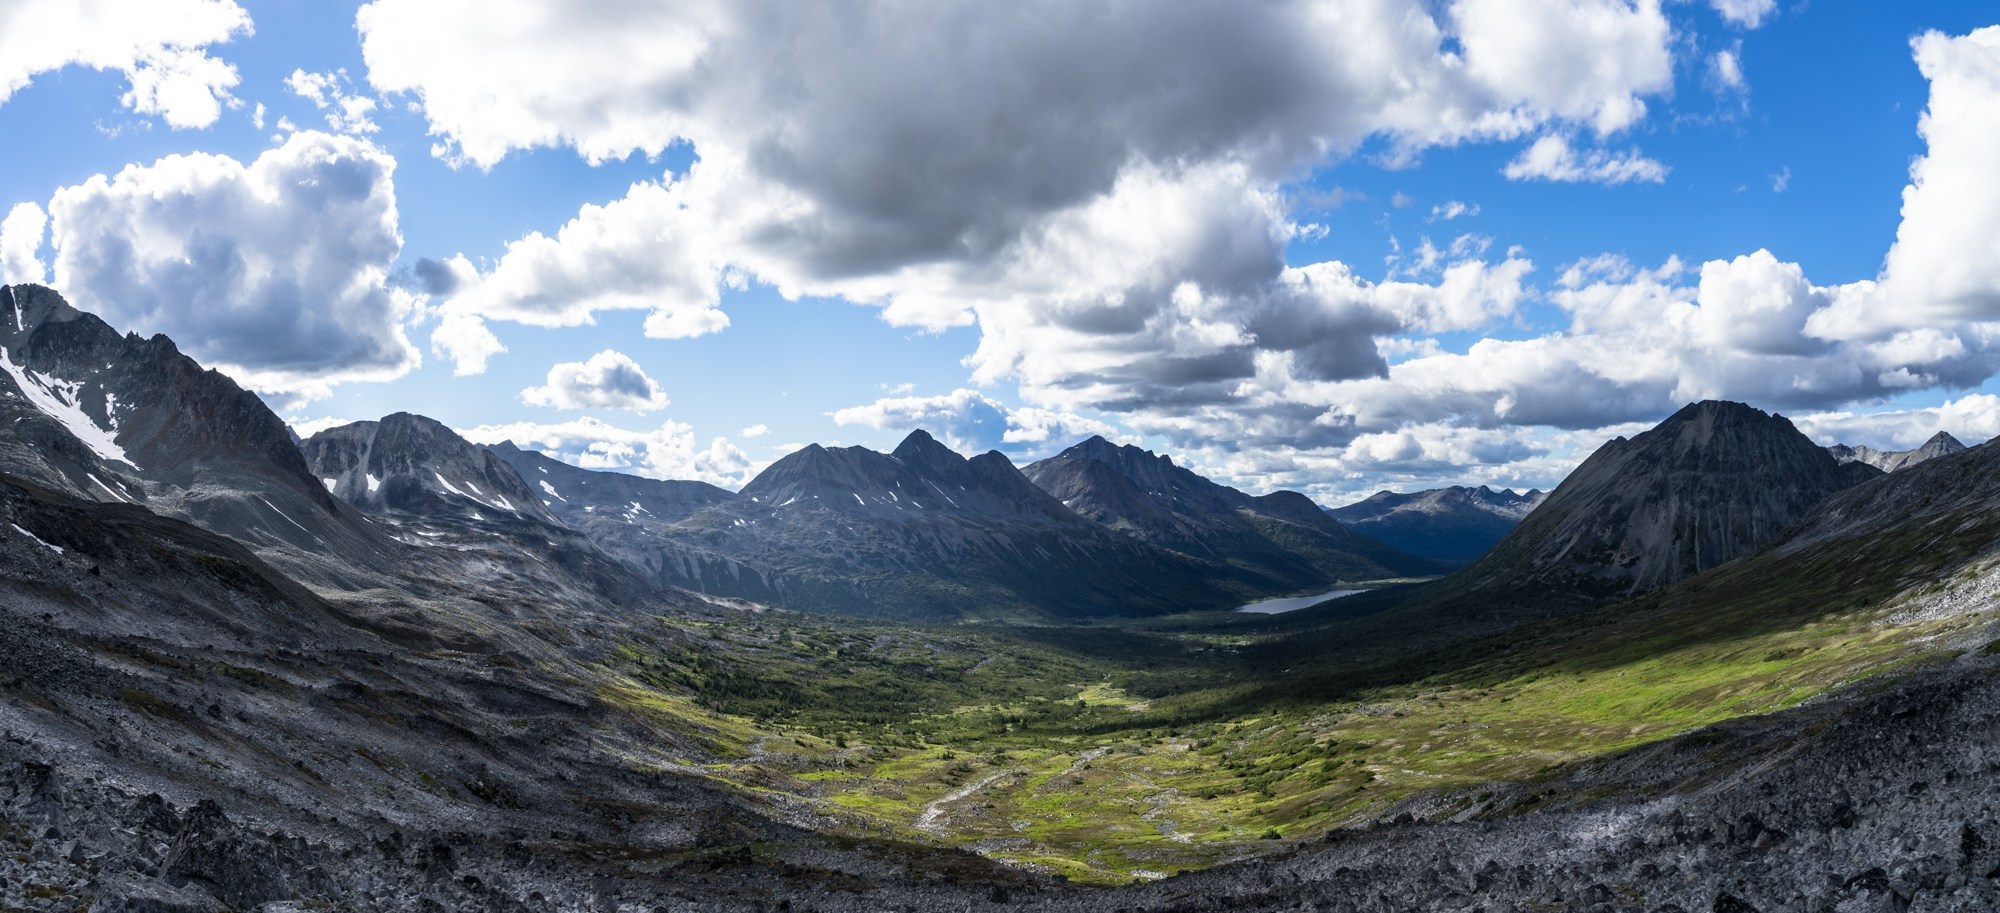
[{"x": 1112, "y": 753}]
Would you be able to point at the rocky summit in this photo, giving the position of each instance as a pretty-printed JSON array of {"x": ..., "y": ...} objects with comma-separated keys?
[
  {"x": 1712, "y": 483},
  {"x": 1939, "y": 444}
]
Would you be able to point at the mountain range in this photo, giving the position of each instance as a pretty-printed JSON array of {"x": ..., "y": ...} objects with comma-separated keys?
[
  {"x": 924, "y": 532},
  {"x": 383, "y": 668},
  {"x": 1940, "y": 444},
  {"x": 1454, "y": 525}
]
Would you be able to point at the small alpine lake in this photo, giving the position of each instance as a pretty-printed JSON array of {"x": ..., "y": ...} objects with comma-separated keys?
[{"x": 1293, "y": 603}]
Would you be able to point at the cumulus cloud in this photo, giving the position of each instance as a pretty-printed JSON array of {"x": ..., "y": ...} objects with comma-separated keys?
[
  {"x": 667, "y": 452},
  {"x": 1098, "y": 188},
  {"x": 1973, "y": 419},
  {"x": 277, "y": 271},
  {"x": 21, "y": 236},
  {"x": 1746, "y": 13},
  {"x": 971, "y": 422},
  {"x": 758, "y": 430},
  {"x": 332, "y": 93},
  {"x": 1945, "y": 264},
  {"x": 161, "y": 47},
  {"x": 1042, "y": 131},
  {"x": 607, "y": 380},
  {"x": 647, "y": 251},
  {"x": 1552, "y": 158}
]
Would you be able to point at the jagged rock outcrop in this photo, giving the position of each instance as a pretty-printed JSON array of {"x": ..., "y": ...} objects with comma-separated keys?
[
  {"x": 469, "y": 515},
  {"x": 1456, "y": 524},
  {"x": 415, "y": 465},
  {"x": 122, "y": 419},
  {"x": 1940, "y": 444},
  {"x": 1280, "y": 542},
  {"x": 1714, "y": 482}
]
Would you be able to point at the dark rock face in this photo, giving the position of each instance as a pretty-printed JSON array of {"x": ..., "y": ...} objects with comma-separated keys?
[
  {"x": 1713, "y": 482},
  {"x": 1280, "y": 542},
  {"x": 1940, "y": 444},
  {"x": 1456, "y": 524},
  {"x": 121, "y": 419},
  {"x": 415, "y": 465},
  {"x": 921, "y": 532}
]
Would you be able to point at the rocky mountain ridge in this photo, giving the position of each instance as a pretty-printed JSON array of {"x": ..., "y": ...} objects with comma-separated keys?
[
  {"x": 122, "y": 419},
  {"x": 1280, "y": 542},
  {"x": 1939, "y": 444},
  {"x": 918, "y": 532}
]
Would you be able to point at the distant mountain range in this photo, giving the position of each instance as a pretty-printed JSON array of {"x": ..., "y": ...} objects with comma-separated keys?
[
  {"x": 923, "y": 531},
  {"x": 1454, "y": 525},
  {"x": 1940, "y": 444},
  {"x": 1277, "y": 542}
]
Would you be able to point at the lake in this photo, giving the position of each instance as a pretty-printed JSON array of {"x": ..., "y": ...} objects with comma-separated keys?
[{"x": 1291, "y": 603}]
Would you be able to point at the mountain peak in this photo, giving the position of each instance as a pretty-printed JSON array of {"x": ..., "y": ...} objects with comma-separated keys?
[
  {"x": 920, "y": 449},
  {"x": 1943, "y": 442},
  {"x": 1939, "y": 444},
  {"x": 1715, "y": 481}
]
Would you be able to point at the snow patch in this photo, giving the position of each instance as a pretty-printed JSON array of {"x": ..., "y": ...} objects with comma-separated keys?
[
  {"x": 857, "y": 499},
  {"x": 59, "y": 401},
  {"x": 373, "y": 483},
  {"x": 113, "y": 491},
  {"x": 330, "y": 483},
  {"x": 551, "y": 489},
  {"x": 288, "y": 519},
  {"x": 38, "y": 540}
]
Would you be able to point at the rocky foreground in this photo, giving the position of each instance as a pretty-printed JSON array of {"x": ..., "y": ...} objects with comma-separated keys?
[{"x": 1882, "y": 799}]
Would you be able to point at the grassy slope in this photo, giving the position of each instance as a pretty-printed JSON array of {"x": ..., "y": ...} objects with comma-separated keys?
[{"x": 1110, "y": 753}]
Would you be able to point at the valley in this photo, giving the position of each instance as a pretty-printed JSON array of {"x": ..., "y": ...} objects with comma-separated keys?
[{"x": 381, "y": 667}]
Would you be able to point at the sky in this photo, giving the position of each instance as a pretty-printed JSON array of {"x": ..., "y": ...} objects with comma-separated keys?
[{"x": 1335, "y": 246}]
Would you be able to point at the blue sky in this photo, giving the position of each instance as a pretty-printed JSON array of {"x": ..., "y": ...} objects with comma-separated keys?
[{"x": 1332, "y": 246}]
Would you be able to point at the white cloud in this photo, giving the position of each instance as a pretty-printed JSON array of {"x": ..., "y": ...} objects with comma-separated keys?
[
  {"x": 1107, "y": 211},
  {"x": 1725, "y": 70},
  {"x": 21, "y": 236},
  {"x": 1082, "y": 115},
  {"x": 647, "y": 251},
  {"x": 971, "y": 422},
  {"x": 1973, "y": 419},
  {"x": 607, "y": 380},
  {"x": 332, "y": 94},
  {"x": 1552, "y": 158},
  {"x": 1945, "y": 264},
  {"x": 1781, "y": 180},
  {"x": 276, "y": 271},
  {"x": 161, "y": 47},
  {"x": 1453, "y": 209},
  {"x": 1746, "y": 13},
  {"x": 1527, "y": 50},
  {"x": 667, "y": 452},
  {"x": 754, "y": 431}
]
